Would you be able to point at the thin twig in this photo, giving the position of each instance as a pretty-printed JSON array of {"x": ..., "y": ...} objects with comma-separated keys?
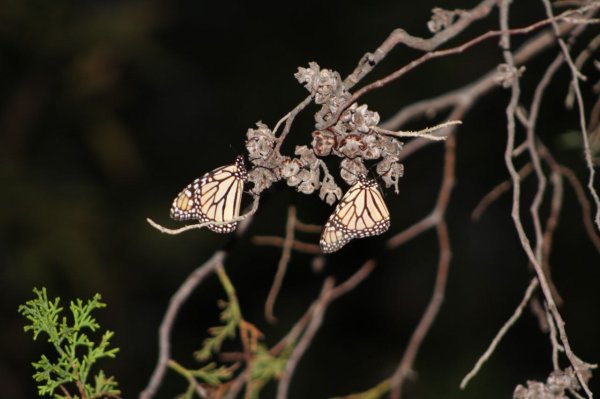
[
  {"x": 421, "y": 133},
  {"x": 240, "y": 218},
  {"x": 439, "y": 210},
  {"x": 556, "y": 347},
  {"x": 510, "y": 114},
  {"x": 308, "y": 228},
  {"x": 200, "y": 391},
  {"x": 412, "y": 349},
  {"x": 301, "y": 325},
  {"x": 280, "y": 122},
  {"x": 342, "y": 289},
  {"x": 556, "y": 203},
  {"x": 467, "y": 95},
  {"x": 284, "y": 260},
  {"x": 575, "y": 76},
  {"x": 307, "y": 337},
  {"x": 65, "y": 391},
  {"x": 459, "y": 49},
  {"x": 399, "y": 36},
  {"x": 288, "y": 123},
  {"x": 584, "y": 204},
  {"x": 178, "y": 299},
  {"x": 413, "y": 231},
  {"x": 501, "y": 333},
  {"x": 497, "y": 191},
  {"x": 532, "y": 147},
  {"x": 279, "y": 242}
]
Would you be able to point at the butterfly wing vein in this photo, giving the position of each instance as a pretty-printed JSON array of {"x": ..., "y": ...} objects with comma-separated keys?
[
  {"x": 215, "y": 197},
  {"x": 361, "y": 213}
]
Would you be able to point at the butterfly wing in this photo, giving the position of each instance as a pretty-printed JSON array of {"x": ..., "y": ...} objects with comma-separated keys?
[
  {"x": 214, "y": 197},
  {"x": 360, "y": 213}
]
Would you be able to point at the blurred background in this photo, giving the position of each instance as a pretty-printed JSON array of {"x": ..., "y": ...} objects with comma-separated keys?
[{"x": 109, "y": 108}]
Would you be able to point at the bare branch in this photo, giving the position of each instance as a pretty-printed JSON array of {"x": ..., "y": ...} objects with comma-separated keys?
[
  {"x": 575, "y": 76},
  {"x": 399, "y": 36},
  {"x": 311, "y": 330},
  {"x": 405, "y": 366},
  {"x": 585, "y": 206},
  {"x": 286, "y": 254},
  {"x": 497, "y": 191},
  {"x": 421, "y": 133},
  {"x": 337, "y": 292},
  {"x": 510, "y": 113},
  {"x": 299, "y": 246},
  {"x": 178, "y": 299},
  {"x": 501, "y": 333}
]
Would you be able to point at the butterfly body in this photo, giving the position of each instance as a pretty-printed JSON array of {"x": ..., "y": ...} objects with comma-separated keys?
[
  {"x": 360, "y": 213},
  {"x": 214, "y": 197}
]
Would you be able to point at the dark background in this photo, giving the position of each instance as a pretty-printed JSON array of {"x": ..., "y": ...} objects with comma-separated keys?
[{"x": 109, "y": 108}]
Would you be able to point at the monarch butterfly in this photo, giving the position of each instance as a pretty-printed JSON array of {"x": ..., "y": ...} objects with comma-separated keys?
[
  {"x": 360, "y": 213},
  {"x": 214, "y": 197}
]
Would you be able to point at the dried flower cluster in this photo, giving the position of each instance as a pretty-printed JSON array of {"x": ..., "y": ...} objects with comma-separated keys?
[
  {"x": 557, "y": 383},
  {"x": 441, "y": 19},
  {"x": 350, "y": 137}
]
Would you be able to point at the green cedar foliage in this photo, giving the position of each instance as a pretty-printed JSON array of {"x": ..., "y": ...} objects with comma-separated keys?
[{"x": 76, "y": 353}]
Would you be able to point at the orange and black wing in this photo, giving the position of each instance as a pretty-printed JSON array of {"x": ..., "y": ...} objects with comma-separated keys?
[
  {"x": 214, "y": 197},
  {"x": 360, "y": 213}
]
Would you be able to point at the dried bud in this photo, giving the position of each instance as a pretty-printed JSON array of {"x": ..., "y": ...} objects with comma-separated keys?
[
  {"x": 556, "y": 386},
  {"x": 260, "y": 142},
  {"x": 306, "y": 76},
  {"x": 330, "y": 192},
  {"x": 534, "y": 390},
  {"x": 359, "y": 118},
  {"x": 262, "y": 179},
  {"x": 505, "y": 75},
  {"x": 307, "y": 156},
  {"x": 351, "y": 168},
  {"x": 559, "y": 381},
  {"x": 307, "y": 187},
  {"x": 441, "y": 19},
  {"x": 390, "y": 147},
  {"x": 294, "y": 180},
  {"x": 351, "y": 146},
  {"x": 373, "y": 144},
  {"x": 290, "y": 167},
  {"x": 322, "y": 143},
  {"x": 390, "y": 172},
  {"x": 308, "y": 181},
  {"x": 335, "y": 103},
  {"x": 323, "y": 83}
]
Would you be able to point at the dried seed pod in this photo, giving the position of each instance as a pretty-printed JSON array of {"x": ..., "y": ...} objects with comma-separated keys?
[
  {"x": 351, "y": 146},
  {"x": 262, "y": 179},
  {"x": 390, "y": 171},
  {"x": 290, "y": 167},
  {"x": 330, "y": 192},
  {"x": 323, "y": 142},
  {"x": 307, "y": 156},
  {"x": 359, "y": 118},
  {"x": 390, "y": 147},
  {"x": 373, "y": 146},
  {"x": 350, "y": 169},
  {"x": 260, "y": 142},
  {"x": 322, "y": 83}
]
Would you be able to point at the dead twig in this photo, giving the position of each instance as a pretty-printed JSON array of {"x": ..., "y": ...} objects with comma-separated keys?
[
  {"x": 180, "y": 230},
  {"x": 178, "y": 299},
  {"x": 286, "y": 254},
  {"x": 313, "y": 326},
  {"x": 497, "y": 191},
  {"x": 501, "y": 333},
  {"x": 276, "y": 241}
]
